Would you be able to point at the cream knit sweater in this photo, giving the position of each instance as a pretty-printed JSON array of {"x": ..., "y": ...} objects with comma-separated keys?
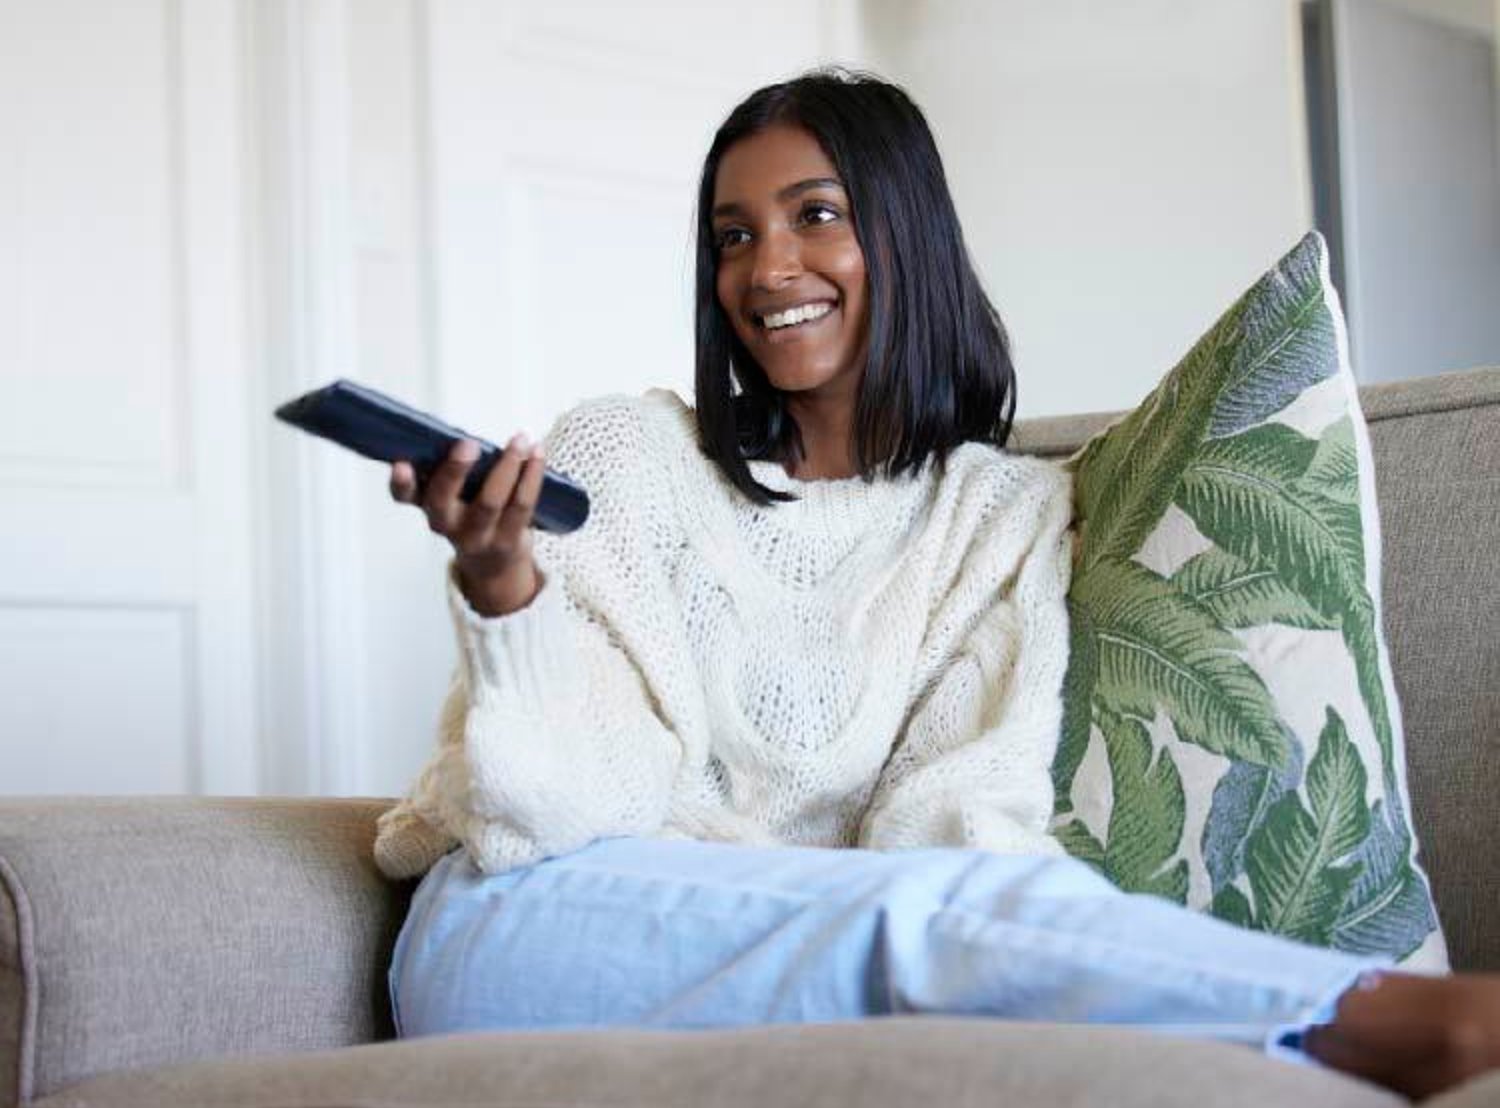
[{"x": 875, "y": 665}]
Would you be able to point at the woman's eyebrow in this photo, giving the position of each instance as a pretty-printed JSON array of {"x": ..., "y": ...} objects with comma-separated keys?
[{"x": 787, "y": 193}]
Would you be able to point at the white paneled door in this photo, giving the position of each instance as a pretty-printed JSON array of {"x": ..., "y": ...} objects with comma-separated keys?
[
  {"x": 207, "y": 206},
  {"x": 565, "y": 144},
  {"x": 127, "y": 661}
]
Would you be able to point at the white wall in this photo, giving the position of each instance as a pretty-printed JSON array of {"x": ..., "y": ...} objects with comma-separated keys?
[
  {"x": 1122, "y": 170},
  {"x": 483, "y": 207}
]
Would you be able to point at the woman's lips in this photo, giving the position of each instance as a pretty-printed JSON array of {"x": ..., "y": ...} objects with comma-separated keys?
[{"x": 796, "y": 332}]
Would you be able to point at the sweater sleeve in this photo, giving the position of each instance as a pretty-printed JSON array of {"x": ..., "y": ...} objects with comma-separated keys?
[
  {"x": 972, "y": 767},
  {"x": 552, "y": 734}
]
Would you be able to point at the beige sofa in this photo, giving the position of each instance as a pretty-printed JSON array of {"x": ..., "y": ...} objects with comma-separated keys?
[{"x": 231, "y": 952}]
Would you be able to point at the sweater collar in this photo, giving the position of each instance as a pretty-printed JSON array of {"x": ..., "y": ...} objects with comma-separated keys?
[{"x": 844, "y": 506}]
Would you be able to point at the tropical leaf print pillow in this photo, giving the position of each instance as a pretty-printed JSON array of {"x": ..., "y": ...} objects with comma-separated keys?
[{"x": 1231, "y": 735}]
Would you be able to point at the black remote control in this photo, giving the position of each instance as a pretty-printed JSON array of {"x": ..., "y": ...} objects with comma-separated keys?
[{"x": 379, "y": 427}]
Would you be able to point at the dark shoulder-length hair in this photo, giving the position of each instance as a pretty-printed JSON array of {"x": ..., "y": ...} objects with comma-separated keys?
[{"x": 939, "y": 371}]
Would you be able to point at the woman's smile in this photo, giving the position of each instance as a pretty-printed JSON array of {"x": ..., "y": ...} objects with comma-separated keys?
[{"x": 797, "y": 324}]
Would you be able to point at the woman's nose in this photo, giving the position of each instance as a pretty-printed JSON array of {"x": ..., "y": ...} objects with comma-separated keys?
[{"x": 777, "y": 260}]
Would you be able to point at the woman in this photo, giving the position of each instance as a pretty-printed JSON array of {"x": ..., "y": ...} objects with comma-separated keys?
[{"x": 769, "y": 738}]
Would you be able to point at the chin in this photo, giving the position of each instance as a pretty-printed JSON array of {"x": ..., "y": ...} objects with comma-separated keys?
[{"x": 799, "y": 380}]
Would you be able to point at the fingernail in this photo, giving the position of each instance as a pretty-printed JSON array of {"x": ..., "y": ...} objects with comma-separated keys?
[
  {"x": 1368, "y": 980},
  {"x": 523, "y": 442},
  {"x": 467, "y": 450}
]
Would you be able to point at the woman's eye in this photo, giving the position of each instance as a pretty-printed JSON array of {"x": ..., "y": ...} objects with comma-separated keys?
[{"x": 816, "y": 214}]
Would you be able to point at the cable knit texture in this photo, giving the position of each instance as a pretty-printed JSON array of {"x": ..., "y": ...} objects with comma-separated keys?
[{"x": 875, "y": 664}]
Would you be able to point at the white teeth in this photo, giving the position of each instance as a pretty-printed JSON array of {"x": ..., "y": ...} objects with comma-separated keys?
[{"x": 799, "y": 314}]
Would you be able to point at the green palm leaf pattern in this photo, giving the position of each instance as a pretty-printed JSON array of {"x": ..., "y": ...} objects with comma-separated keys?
[
  {"x": 1305, "y": 527},
  {"x": 1364, "y": 646},
  {"x": 1229, "y": 904},
  {"x": 1237, "y": 594},
  {"x": 1290, "y": 847},
  {"x": 1078, "y": 841},
  {"x": 1126, "y": 480},
  {"x": 1240, "y": 802},
  {"x": 1153, "y": 646},
  {"x": 1389, "y": 908},
  {"x": 1145, "y": 824},
  {"x": 1078, "y": 702},
  {"x": 1289, "y": 342},
  {"x": 1297, "y": 859},
  {"x": 1246, "y": 504},
  {"x": 1334, "y": 469}
]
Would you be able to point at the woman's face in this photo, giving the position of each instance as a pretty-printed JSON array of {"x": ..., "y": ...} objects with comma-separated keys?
[{"x": 786, "y": 244}]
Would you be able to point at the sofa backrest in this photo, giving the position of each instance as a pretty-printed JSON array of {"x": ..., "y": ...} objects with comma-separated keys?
[{"x": 1437, "y": 473}]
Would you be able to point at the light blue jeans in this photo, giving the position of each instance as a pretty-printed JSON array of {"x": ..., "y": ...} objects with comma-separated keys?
[{"x": 683, "y": 934}]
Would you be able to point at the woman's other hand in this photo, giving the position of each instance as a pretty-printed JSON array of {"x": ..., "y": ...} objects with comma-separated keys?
[
  {"x": 1416, "y": 1035},
  {"x": 491, "y": 535}
]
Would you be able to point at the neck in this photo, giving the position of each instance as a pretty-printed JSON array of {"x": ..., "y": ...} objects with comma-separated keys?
[
  {"x": 817, "y": 469},
  {"x": 826, "y": 424}
]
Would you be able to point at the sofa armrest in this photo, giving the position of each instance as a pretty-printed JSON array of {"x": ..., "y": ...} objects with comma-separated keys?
[{"x": 141, "y": 932}]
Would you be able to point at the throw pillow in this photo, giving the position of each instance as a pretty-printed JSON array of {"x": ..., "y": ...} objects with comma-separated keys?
[{"x": 1231, "y": 735}]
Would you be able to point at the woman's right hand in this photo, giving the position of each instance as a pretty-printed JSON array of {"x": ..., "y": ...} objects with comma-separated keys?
[{"x": 491, "y": 535}]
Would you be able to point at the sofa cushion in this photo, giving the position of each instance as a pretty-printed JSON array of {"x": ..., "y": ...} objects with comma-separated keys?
[
  {"x": 900, "y": 1061},
  {"x": 1232, "y": 738},
  {"x": 1438, "y": 479},
  {"x": 1482, "y": 1092}
]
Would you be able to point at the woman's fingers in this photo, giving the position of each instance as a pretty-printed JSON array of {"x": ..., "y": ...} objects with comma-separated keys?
[
  {"x": 476, "y": 532},
  {"x": 496, "y": 520},
  {"x": 441, "y": 503},
  {"x": 517, "y": 515},
  {"x": 403, "y": 483}
]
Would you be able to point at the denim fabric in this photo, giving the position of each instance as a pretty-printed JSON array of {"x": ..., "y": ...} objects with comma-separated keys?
[{"x": 685, "y": 934}]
